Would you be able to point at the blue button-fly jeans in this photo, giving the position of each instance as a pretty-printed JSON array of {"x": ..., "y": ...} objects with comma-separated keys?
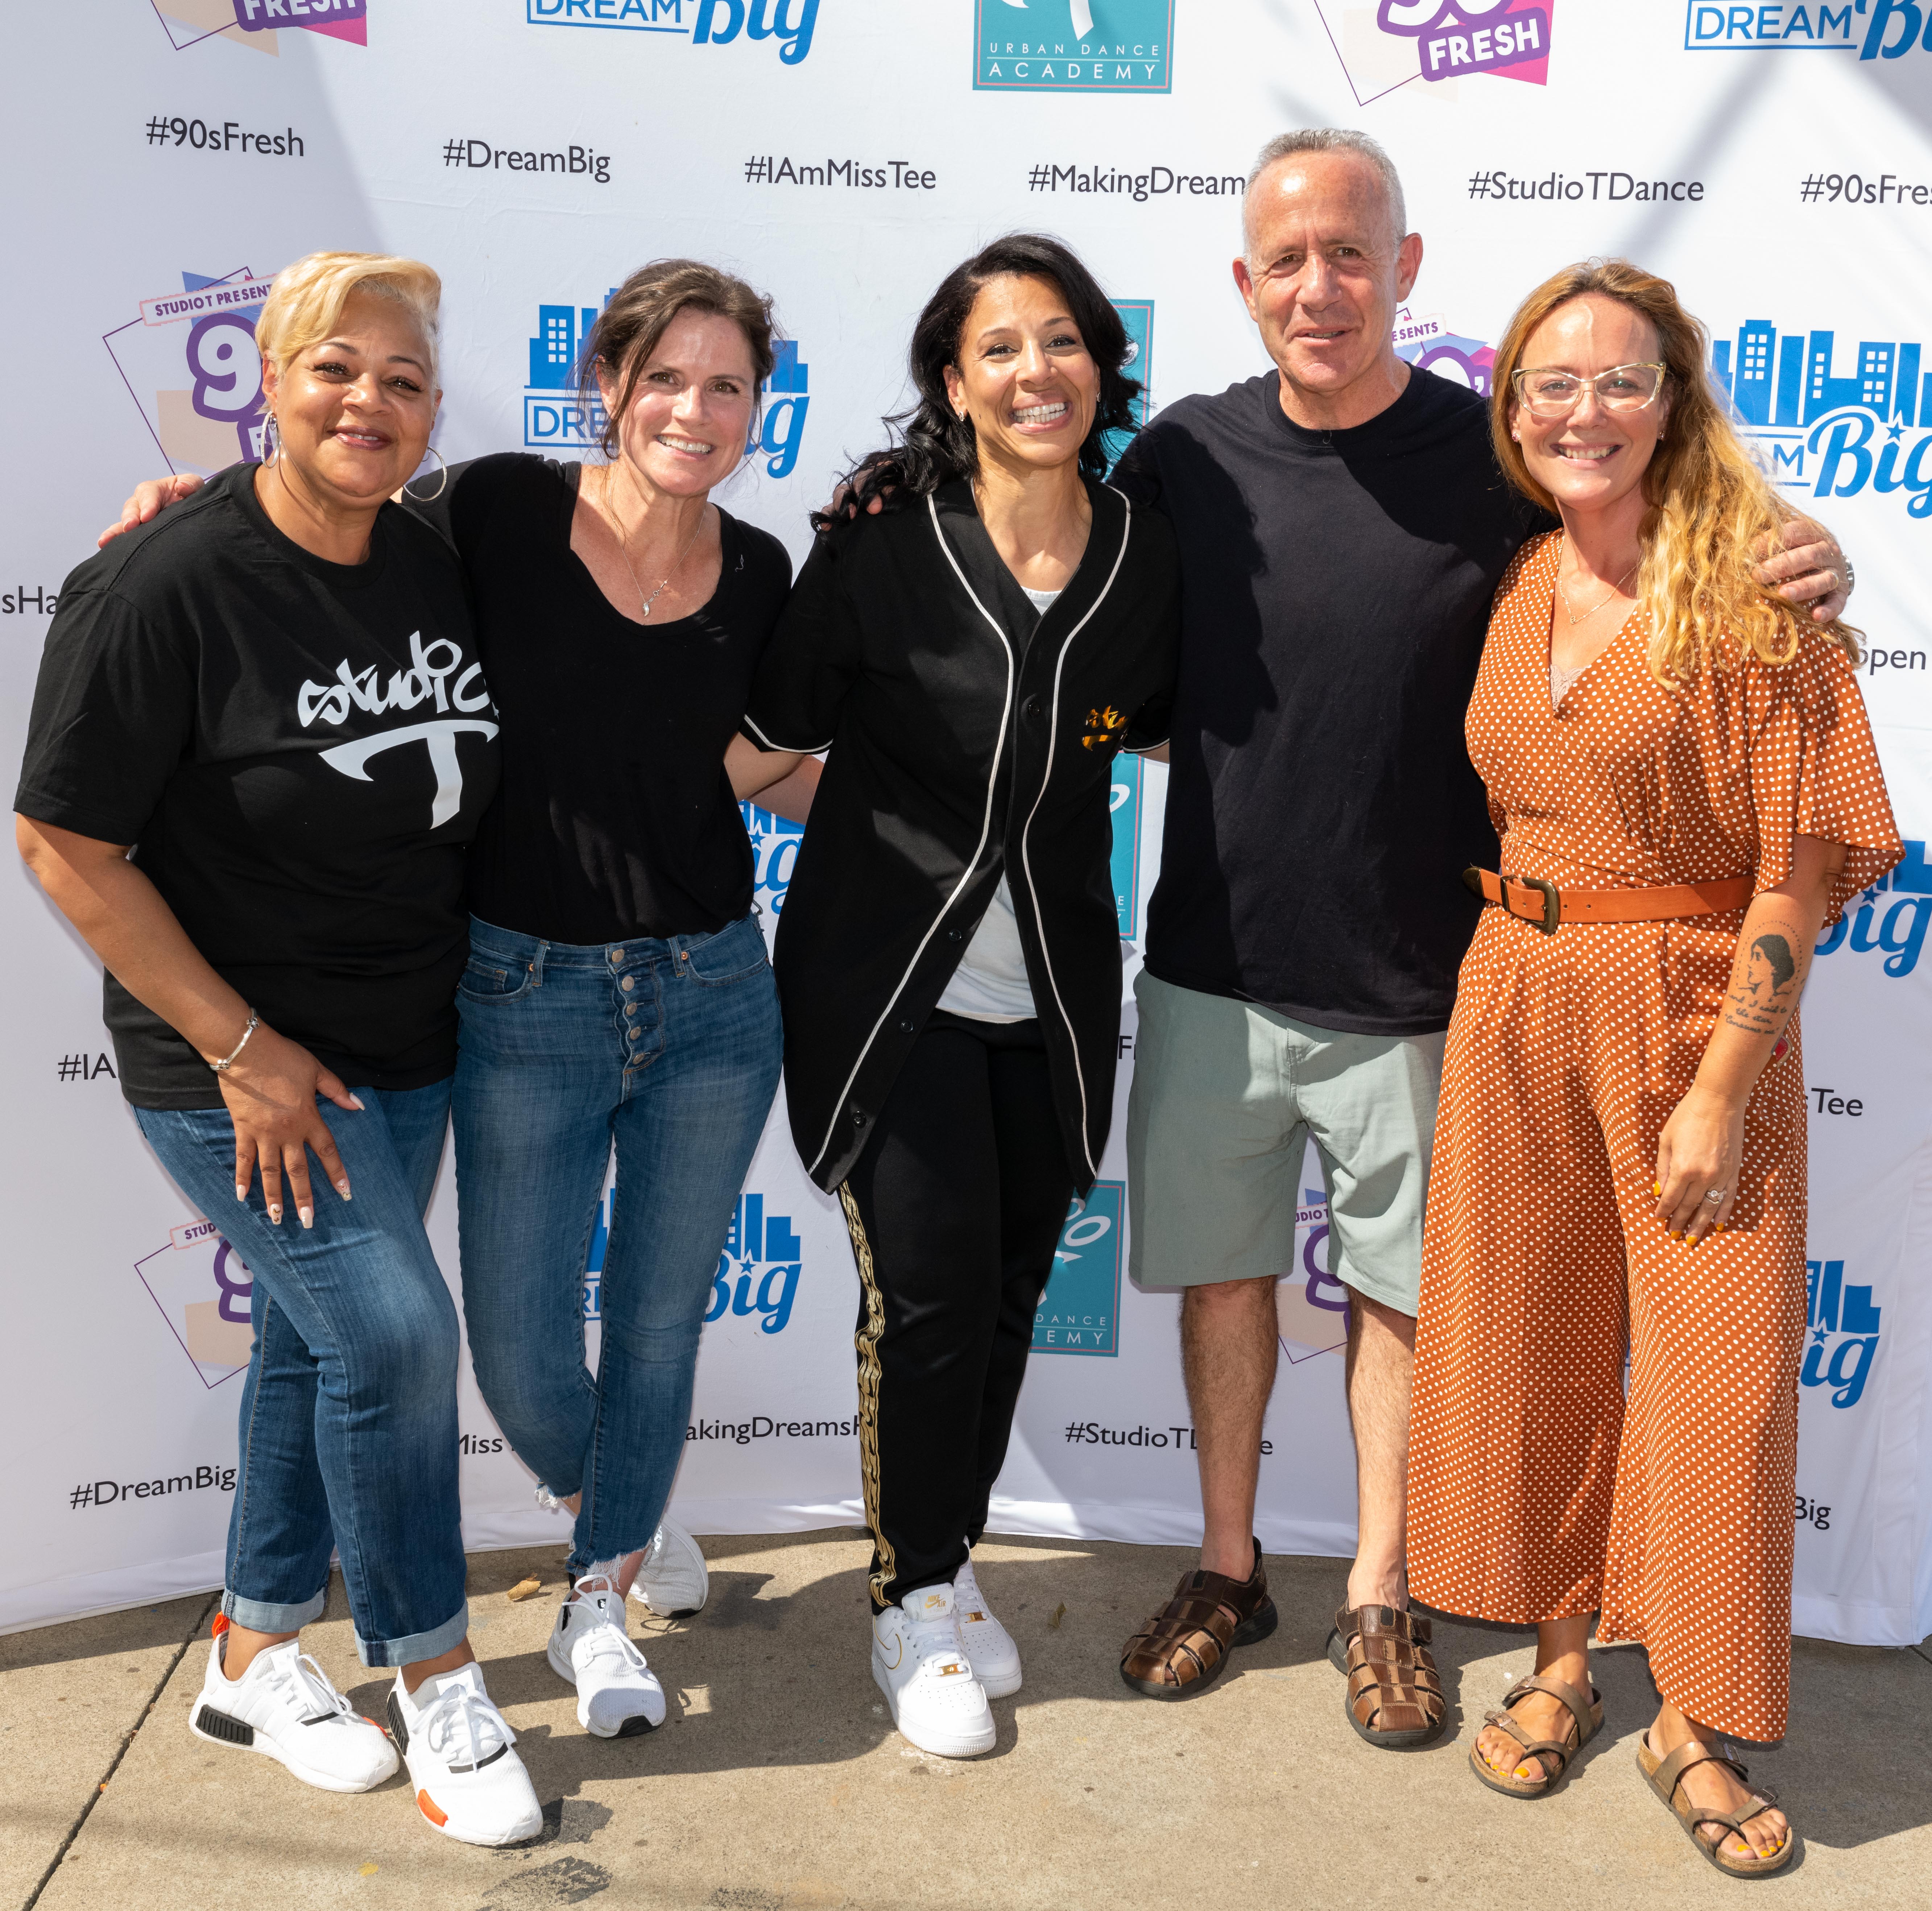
[
  {"x": 669, "y": 1051},
  {"x": 348, "y": 1434}
]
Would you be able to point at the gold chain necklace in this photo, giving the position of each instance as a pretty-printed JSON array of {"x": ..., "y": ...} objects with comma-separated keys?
[
  {"x": 644, "y": 603},
  {"x": 1571, "y": 610}
]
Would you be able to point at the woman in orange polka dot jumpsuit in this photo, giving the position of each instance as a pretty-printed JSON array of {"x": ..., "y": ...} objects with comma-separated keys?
[{"x": 1682, "y": 761}]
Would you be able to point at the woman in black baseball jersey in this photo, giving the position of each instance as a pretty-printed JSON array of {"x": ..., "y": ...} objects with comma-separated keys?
[{"x": 973, "y": 654}]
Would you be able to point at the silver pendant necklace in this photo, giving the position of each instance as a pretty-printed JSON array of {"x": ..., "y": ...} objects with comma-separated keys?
[{"x": 644, "y": 603}]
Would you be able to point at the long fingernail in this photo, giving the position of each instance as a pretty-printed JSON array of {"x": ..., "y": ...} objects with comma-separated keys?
[
  {"x": 342, "y": 1189},
  {"x": 275, "y": 1213},
  {"x": 1657, "y": 1189},
  {"x": 240, "y": 1190},
  {"x": 307, "y": 1216},
  {"x": 355, "y": 1102}
]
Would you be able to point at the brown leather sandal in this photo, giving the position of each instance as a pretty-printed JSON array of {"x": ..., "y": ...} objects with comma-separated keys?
[
  {"x": 1183, "y": 1648},
  {"x": 1394, "y": 1698},
  {"x": 1662, "y": 1774},
  {"x": 1587, "y": 1720}
]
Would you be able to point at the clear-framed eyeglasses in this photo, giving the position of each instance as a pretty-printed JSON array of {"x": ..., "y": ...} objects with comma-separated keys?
[{"x": 1551, "y": 394}]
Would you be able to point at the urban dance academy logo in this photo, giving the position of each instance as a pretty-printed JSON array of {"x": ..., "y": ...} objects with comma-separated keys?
[
  {"x": 703, "y": 23},
  {"x": 1073, "y": 45},
  {"x": 758, "y": 1274},
  {"x": 1399, "y": 41},
  {"x": 1891, "y": 918},
  {"x": 189, "y": 362},
  {"x": 1873, "y": 29},
  {"x": 203, "y": 1289},
  {"x": 561, "y": 413},
  {"x": 1842, "y": 1329},
  {"x": 1080, "y": 1311},
  {"x": 1832, "y": 434},
  {"x": 255, "y": 23}
]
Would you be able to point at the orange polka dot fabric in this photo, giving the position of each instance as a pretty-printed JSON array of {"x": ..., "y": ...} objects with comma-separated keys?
[{"x": 1538, "y": 1491}]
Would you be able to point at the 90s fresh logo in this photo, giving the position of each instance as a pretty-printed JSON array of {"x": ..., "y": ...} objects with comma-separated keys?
[{"x": 1073, "y": 45}]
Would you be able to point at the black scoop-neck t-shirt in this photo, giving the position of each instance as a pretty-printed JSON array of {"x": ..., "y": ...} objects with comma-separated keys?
[
  {"x": 1336, "y": 589},
  {"x": 616, "y": 818},
  {"x": 299, "y": 752}
]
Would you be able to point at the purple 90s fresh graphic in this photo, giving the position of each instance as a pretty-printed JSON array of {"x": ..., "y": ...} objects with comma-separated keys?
[
  {"x": 1427, "y": 342},
  {"x": 189, "y": 362},
  {"x": 255, "y": 23},
  {"x": 203, "y": 1291},
  {"x": 1434, "y": 40}
]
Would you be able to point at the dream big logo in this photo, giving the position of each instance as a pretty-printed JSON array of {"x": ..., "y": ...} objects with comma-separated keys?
[
  {"x": 1890, "y": 919},
  {"x": 758, "y": 1274},
  {"x": 188, "y": 360},
  {"x": 1873, "y": 29},
  {"x": 1842, "y": 1333},
  {"x": 1830, "y": 432},
  {"x": 703, "y": 23},
  {"x": 203, "y": 1291},
  {"x": 255, "y": 23},
  {"x": 1073, "y": 45},
  {"x": 775, "y": 845},
  {"x": 1389, "y": 44},
  {"x": 1080, "y": 1311},
  {"x": 560, "y": 415}
]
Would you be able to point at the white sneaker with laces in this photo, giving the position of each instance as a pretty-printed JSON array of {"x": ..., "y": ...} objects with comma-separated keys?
[
  {"x": 673, "y": 1581},
  {"x": 990, "y": 1649},
  {"x": 920, "y": 1663},
  {"x": 283, "y": 1706},
  {"x": 618, "y": 1695},
  {"x": 469, "y": 1784}
]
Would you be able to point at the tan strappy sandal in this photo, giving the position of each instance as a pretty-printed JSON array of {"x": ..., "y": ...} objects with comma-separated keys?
[
  {"x": 1587, "y": 1720},
  {"x": 1663, "y": 1775}
]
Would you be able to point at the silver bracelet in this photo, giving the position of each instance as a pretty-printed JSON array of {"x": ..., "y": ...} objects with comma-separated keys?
[{"x": 228, "y": 1060}]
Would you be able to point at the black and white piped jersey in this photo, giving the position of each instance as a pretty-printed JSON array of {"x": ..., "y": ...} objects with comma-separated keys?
[{"x": 970, "y": 737}]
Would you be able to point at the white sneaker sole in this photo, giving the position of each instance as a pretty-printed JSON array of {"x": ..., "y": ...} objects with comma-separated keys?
[
  {"x": 943, "y": 1745},
  {"x": 224, "y": 1729},
  {"x": 635, "y": 1727},
  {"x": 1003, "y": 1687},
  {"x": 437, "y": 1819}
]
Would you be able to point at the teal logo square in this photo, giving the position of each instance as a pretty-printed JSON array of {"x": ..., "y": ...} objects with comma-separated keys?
[
  {"x": 1080, "y": 1311},
  {"x": 1073, "y": 45}
]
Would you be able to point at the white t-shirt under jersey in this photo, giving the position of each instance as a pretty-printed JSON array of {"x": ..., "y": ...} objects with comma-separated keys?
[{"x": 990, "y": 984}]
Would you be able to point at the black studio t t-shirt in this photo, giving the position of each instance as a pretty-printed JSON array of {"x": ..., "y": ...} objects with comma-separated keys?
[
  {"x": 1336, "y": 588},
  {"x": 299, "y": 751},
  {"x": 616, "y": 818}
]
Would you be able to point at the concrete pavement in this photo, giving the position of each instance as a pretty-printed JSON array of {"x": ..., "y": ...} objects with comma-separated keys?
[{"x": 778, "y": 1784}]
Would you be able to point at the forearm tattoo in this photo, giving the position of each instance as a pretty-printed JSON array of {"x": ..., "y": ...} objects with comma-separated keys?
[{"x": 1761, "y": 1001}]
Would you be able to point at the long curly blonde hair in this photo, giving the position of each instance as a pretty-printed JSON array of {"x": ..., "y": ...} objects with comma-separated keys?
[{"x": 1710, "y": 501}]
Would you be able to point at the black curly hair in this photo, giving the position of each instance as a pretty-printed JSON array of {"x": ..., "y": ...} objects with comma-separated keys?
[{"x": 932, "y": 445}]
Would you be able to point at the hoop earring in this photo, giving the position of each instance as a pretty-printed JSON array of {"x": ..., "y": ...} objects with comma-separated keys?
[
  {"x": 429, "y": 497},
  {"x": 272, "y": 441}
]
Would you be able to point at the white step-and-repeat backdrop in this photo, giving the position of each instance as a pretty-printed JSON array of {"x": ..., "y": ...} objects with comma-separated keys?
[{"x": 166, "y": 156}]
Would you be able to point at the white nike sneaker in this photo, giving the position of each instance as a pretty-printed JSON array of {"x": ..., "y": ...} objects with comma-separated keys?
[
  {"x": 920, "y": 1664},
  {"x": 284, "y": 1705},
  {"x": 469, "y": 1784},
  {"x": 674, "y": 1581},
  {"x": 618, "y": 1695},
  {"x": 994, "y": 1658}
]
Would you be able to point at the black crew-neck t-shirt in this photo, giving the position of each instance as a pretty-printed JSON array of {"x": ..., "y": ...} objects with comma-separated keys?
[
  {"x": 1336, "y": 588},
  {"x": 616, "y": 819},
  {"x": 299, "y": 752}
]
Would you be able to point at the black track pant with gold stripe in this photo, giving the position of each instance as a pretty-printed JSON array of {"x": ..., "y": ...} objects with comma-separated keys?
[{"x": 955, "y": 1209}]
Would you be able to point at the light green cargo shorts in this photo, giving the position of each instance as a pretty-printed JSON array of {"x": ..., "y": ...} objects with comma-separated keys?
[{"x": 1225, "y": 1096}]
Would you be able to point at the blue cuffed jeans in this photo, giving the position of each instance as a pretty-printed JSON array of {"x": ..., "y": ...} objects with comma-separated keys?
[
  {"x": 669, "y": 1051},
  {"x": 348, "y": 1434}
]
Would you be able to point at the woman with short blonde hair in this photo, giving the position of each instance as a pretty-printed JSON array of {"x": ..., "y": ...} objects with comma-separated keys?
[{"x": 1680, "y": 769}]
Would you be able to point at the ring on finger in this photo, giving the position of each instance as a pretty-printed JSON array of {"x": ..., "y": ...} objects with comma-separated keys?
[{"x": 1716, "y": 1196}]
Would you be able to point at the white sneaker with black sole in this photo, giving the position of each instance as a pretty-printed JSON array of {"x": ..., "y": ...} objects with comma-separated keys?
[
  {"x": 284, "y": 1707},
  {"x": 470, "y": 1784},
  {"x": 618, "y": 1695},
  {"x": 674, "y": 1581},
  {"x": 920, "y": 1663},
  {"x": 990, "y": 1650}
]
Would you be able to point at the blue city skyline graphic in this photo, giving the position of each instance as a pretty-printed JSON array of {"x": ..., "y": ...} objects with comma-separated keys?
[
  {"x": 1833, "y": 1307},
  {"x": 562, "y": 411},
  {"x": 1829, "y": 430}
]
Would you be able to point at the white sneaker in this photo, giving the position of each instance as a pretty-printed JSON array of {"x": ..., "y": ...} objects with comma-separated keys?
[
  {"x": 994, "y": 1658},
  {"x": 674, "y": 1581},
  {"x": 920, "y": 1664},
  {"x": 284, "y": 1705},
  {"x": 469, "y": 1784},
  {"x": 618, "y": 1695}
]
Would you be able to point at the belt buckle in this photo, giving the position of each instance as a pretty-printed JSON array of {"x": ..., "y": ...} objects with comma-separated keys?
[{"x": 1552, "y": 902}]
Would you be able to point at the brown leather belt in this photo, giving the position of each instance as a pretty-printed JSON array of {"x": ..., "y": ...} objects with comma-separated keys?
[{"x": 1543, "y": 905}]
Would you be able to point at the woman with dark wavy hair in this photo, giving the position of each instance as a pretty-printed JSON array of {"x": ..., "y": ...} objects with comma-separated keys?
[{"x": 973, "y": 653}]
